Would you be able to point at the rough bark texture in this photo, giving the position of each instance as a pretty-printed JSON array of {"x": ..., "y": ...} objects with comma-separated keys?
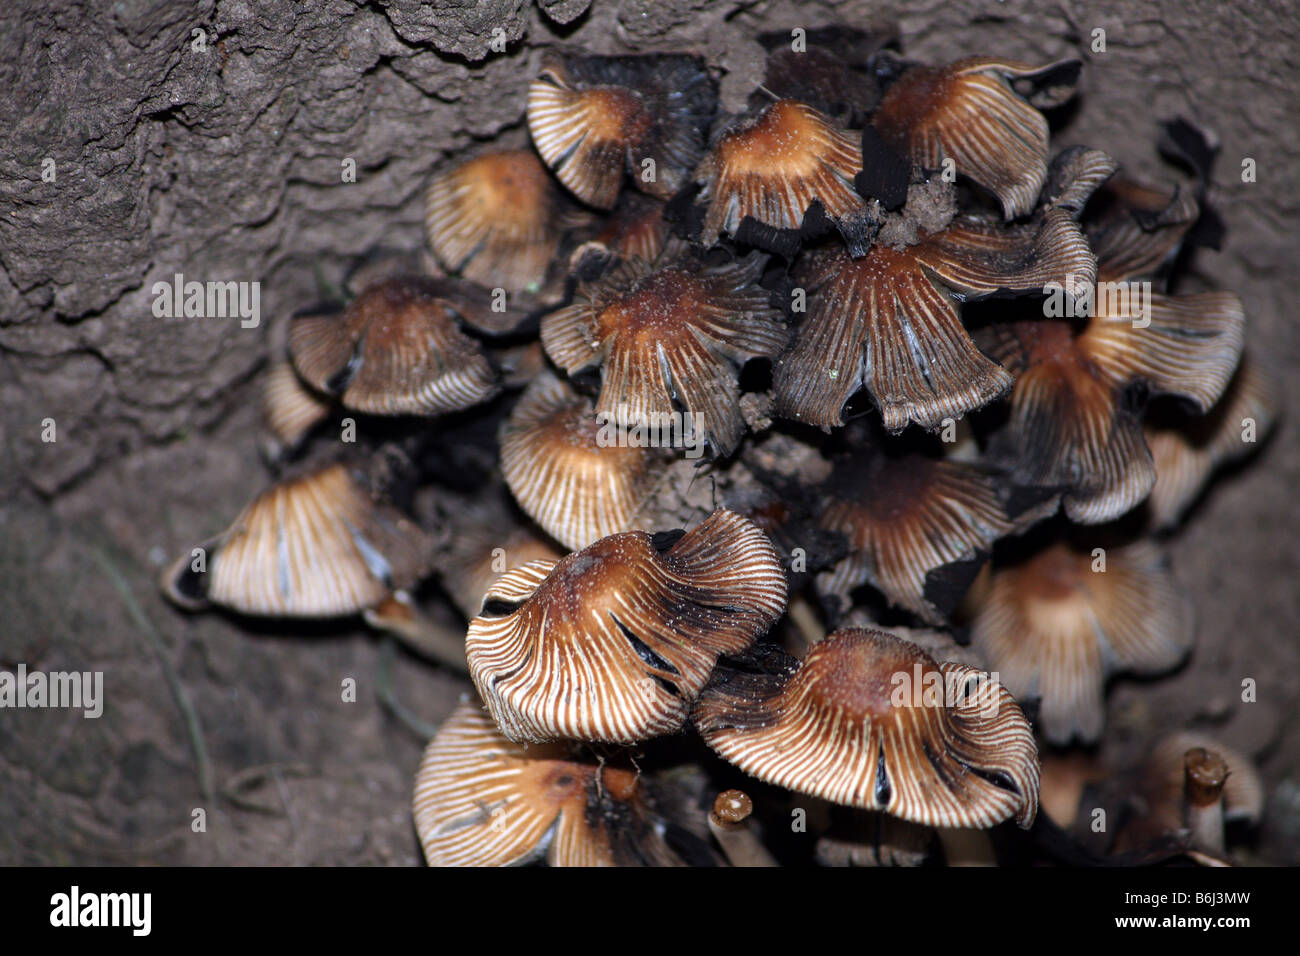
[{"x": 223, "y": 160}]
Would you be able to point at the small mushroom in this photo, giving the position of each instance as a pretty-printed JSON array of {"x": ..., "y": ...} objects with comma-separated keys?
[
  {"x": 669, "y": 341},
  {"x": 1074, "y": 423},
  {"x": 613, "y": 643},
  {"x": 290, "y": 410},
  {"x": 396, "y": 350},
  {"x": 481, "y": 800},
  {"x": 773, "y": 167},
  {"x": 729, "y": 822},
  {"x": 1186, "y": 449},
  {"x": 576, "y": 486},
  {"x": 1056, "y": 628},
  {"x": 918, "y": 527},
  {"x": 1136, "y": 230},
  {"x": 593, "y": 117},
  {"x": 314, "y": 546},
  {"x": 497, "y": 219},
  {"x": 970, "y": 112},
  {"x": 871, "y": 721}
]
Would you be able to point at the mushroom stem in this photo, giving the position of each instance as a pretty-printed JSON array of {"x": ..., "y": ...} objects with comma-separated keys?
[
  {"x": 966, "y": 847},
  {"x": 729, "y": 824},
  {"x": 1205, "y": 773},
  {"x": 806, "y": 620},
  {"x": 400, "y": 617}
]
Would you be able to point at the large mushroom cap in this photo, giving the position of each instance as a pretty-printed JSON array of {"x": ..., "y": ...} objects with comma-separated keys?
[
  {"x": 577, "y": 486},
  {"x": 315, "y": 546},
  {"x": 669, "y": 341},
  {"x": 871, "y": 721},
  {"x": 593, "y": 117},
  {"x": 1055, "y": 627},
  {"x": 970, "y": 112},
  {"x": 481, "y": 800},
  {"x": 772, "y": 168},
  {"x": 396, "y": 350},
  {"x": 496, "y": 219},
  {"x": 613, "y": 643}
]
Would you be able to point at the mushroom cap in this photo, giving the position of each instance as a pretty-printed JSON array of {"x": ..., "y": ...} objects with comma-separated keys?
[
  {"x": 592, "y": 117},
  {"x": 1186, "y": 449},
  {"x": 773, "y": 166},
  {"x": 847, "y": 725},
  {"x": 578, "y": 487},
  {"x": 289, "y": 408},
  {"x": 396, "y": 350},
  {"x": 481, "y": 800},
  {"x": 309, "y": 547},
  {"x": 1073, "y": 424},
  {"x": 918, "y": 528},
  {"x": 890, "y": 321},
  {"x": 1055, "y": 629},
  {"x": 613, "y": 643},
  {"x": 669, "y": 337},
  {"x": 1138, "y": 230},
  {"x": 496, "y": 219},
  {"x": 969, "y": 112}
]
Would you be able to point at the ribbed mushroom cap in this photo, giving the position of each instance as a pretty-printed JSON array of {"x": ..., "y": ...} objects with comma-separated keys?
[
  {"x": 1073, "y": 424},
  {"x": 289, "y": 408},
  {"x": 496, "y": 219},
  {"x": 970, "y": 112},
  {"x": 1186, "y": 449},
  {"x": 636, "y": 229},
  {"x": 1055, "y": 630},
  {"x": 918, "y": 528},
  {"x": 481, "y": 800},
  {"x": 849, "y": 726},
  {"x": 889, "y": 322},
  {"x": 563, "y": 470},
  {"x": 775, "y": 165},
  {"x": 396, "y": 350},
  {"x": 667, "y": 338},
  {"x": 593, "y": 117},
  {"x": 1136, "y": 230},
  {"x": 613, "y": 643},
  {"x": 480, "y": 554},
  {"x": 315, "y": 546}
]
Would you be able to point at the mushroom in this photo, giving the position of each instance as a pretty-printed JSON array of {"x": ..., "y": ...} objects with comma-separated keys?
[
  {"x": 592, "y": 117},
  {"x": 970, "y": 112},
  {"x": 290, "y": 410},
  {"x": 1186, "y": 449},
  {"x": 1191, "y": 783},
  {"x": 668, "y": 337},
  {"x": 578, "y": 486},
  {"x": 1074, "y": 422},
  {"x": 396, "y": 350},
  {"x": 1136, "y": 230},
  {"x": 774, "y": 166},
  {"x": 481, "y": 800},
  {"x": 889, "y": 322},
  {"x": 871, "y": 721},
  {"x": 496, "y": 219},
  {"x": 1056, "y": 628},
  {"x": 314, "y": 546},
  {"x": 613, "y": 643},
  {"x": 918, "y": 527},
  {"x": 729, "y": 822},
  {"x": 636, "y": 229}
]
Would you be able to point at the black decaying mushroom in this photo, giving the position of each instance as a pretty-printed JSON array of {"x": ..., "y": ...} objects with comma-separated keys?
[{"x": 614, "y": 643}]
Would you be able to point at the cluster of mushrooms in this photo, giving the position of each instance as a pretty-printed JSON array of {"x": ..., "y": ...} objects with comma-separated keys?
[{"x": 776, "y": 460}]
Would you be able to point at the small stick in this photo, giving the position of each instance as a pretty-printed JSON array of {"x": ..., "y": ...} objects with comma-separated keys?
[
  {"x": 400, "y": 617},
  {"x": 729, "y": 823}
]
